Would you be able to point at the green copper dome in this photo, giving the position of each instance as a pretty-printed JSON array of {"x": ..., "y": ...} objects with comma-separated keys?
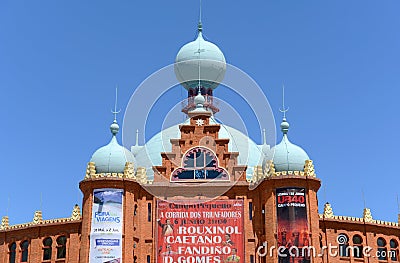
[
  {"x": 200, "y": 59},
  {"x": 112, "y": 157},
  {"x": 286, "y": 155}
]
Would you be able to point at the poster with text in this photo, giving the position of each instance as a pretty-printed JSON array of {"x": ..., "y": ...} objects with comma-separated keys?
[
  {"x": 106, "y": 227},
  {"x": 293, "y": 233},
  {"x": 193, "y": 231}
]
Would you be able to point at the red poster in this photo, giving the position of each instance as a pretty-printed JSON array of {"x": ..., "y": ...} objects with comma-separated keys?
[
  {"x": 193, "y": 231},
  {"x": 293, "y": 234}
]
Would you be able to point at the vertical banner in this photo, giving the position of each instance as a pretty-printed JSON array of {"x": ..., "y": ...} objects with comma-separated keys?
[
  {"x": 106, "y": 229},
  {"x": 191, "y": 232},
  {"x": 293, "y": 233}
]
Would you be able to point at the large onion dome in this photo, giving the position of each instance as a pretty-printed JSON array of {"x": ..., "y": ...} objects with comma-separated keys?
[
  {"x": 288, "y": 156},
  {"x": 112, "y": 157},
  {"x": 200, "y": 59}
]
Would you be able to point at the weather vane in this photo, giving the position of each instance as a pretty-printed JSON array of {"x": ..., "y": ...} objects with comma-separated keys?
[
  {"x": 283, "y": 110},
  {"x": 115, "y": 112}
]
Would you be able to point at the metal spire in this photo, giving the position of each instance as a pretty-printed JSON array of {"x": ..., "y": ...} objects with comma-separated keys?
[
  {"x": 200, "y": 14},
  {"x": 137, "y": 138},
  {"x": 199, "y": 30},
  {"x": 41, "y": 201},
  {"x": 284, "y": 123},
  {"x": 115, "y": 112},
  {"x": 264, "y": 137},
  {"x": 199, "y": 25},
  {"x": 363, "y": 197},
  {"x": 283, "y": 110},
  {"x": 8, "y": 205}
]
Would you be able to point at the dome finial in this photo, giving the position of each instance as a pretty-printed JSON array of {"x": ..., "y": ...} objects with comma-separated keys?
[
  {"x": 114, "y": 126},
  {"x": 284, "y": 123}
]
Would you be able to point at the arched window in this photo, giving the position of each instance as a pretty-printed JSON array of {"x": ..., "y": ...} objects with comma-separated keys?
[
  {"x": 394, "y": 250},
  {"x": 343, "y": 241},
  {"x": 61, "y": 247},
  {"x": 12, "y": 252},
  {"x": 358, "y": 247},
  {"x": 47, "y": 242},
  {"x": 199, "y": 163},
  {"x": 382, "y": 251},
  {"x": 24, "y": 251}
]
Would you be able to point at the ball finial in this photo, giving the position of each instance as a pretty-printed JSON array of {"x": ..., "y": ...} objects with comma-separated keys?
[
  {"x": 284, "y": 126},
  {"x": 114, "y": 127}
]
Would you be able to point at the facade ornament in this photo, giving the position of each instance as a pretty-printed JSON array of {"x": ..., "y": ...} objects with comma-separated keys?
[
  {"x": 328, "y": 212},
  {"x": 76, "y": 213},
  {"x": 4, "y": 223},
  {"x": 90, "y": 170},
  {"x": 199, "y": 122},
  {"x": 309, "y": 168},
  {"x": 37, "y": 217},
  {"x": 269, "y": 168},
  {"x": 367, "y": 216},
  {"x": 141, "y": 176},
  {"x": 258, "y": 173},
  {"x": 129, "y": 171}
]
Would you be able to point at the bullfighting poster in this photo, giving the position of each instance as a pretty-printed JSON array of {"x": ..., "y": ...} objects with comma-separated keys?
[{"x": 190, "y": 231}]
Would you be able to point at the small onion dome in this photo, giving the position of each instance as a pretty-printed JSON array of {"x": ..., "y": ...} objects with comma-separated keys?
[
  {"x": 287, "y": 156},
  {"x": 265, "y": 147},
  {"x": 199, "y": 101},
  {"x": 135, "y": 149},
  {"x": 112, "y": 157},
  {"x": 200, "y": 59}
]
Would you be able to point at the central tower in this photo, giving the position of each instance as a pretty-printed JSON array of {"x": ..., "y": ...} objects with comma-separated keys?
[{"x": 200, "y": 67}]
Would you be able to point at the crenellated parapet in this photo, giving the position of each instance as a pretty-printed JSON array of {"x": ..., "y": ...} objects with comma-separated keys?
[
  {"x": 260, "y": 173},
  {"x": 367, "y": 217},
  {"x": 129, "y": 173},
  {"x": 38, "y": 220}
]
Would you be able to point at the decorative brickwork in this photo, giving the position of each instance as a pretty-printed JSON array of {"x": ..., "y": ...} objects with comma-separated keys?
[{"x": 205, "y": 135}]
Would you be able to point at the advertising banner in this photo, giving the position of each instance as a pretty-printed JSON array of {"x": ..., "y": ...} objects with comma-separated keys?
[
  {"x": 293, "y": 233},
  {"x": 106, "y": 229},
  {"x": 191, "y": 232}
]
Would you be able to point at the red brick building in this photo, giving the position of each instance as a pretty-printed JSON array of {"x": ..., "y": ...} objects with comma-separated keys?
[{"x": 200, "y": 204}]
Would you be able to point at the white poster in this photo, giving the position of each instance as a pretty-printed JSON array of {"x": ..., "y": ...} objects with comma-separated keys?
[{"x": 106, "y": 230}]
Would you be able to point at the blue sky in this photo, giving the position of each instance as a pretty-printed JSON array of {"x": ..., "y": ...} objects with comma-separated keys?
[{"x": 60, "y": 61}]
